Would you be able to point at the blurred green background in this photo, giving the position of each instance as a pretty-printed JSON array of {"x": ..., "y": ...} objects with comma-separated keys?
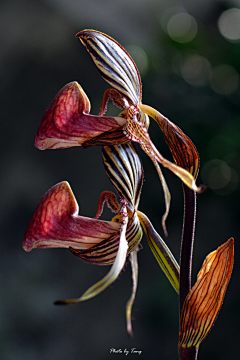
[{"x": 188, "y": 53}]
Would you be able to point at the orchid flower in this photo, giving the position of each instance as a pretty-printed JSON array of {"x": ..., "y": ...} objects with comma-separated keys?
[
  {"x": 56, "y": 223},
  {"x": 67, "y": 121}
]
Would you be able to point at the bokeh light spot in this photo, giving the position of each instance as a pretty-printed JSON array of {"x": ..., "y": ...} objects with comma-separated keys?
[
  {"x": 219, "y": 177},
  {"x": 225, "y": 79},
  {"x": 229, "y": 24},
  {"x": 196, "y": 70},
  {"x": 182, "y": 27}
]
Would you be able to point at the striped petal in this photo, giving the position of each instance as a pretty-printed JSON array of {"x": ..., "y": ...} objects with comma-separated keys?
[
  {"x": 56, "y": 223},
  {"x": 204, "y": 300},
  {"x": 183, "y": 150},
  {"x": 138, "y": 133},
  {"x": 124, "y": 169},
  {"x": 113, "y": 63},
  {"x": 105, "y": 252},
  {"x": 161, "y": 252},
  {"x": 67, "y": 121},
  {"x": 114, "y": 271}
]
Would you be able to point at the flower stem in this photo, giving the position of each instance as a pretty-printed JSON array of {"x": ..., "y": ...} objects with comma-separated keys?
[
  {"x": 188, "y": 353},
  {"x": 187, "y": 243}
]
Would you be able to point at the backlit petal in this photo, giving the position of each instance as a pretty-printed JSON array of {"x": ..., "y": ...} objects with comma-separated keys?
[
  {"x": 67, "y": 121},
  {"x": 56, "y": 223},
  {"x": 114, "y": 63},
  {"x": 183, "y": 150},
  {"x": 137, "y": 133}
]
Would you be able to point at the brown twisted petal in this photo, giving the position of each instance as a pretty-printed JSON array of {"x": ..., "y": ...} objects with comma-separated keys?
[
  {"x": 136, "y": 132},
  {"x": 56, "y": 223},
  {"x": 182, "y": 148},
  {"x": 204, "y": 300},
  {"x": 67, "y": 121}
]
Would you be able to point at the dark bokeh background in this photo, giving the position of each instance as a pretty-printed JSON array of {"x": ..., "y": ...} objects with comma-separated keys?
[{"x": 188, "y": 54}]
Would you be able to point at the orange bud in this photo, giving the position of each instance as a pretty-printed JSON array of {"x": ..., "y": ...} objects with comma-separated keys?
[{"x": 204, "y": 300}]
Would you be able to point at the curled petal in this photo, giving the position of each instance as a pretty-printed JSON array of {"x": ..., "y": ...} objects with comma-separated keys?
[
  {"x": 204, "y": 300},
  {"x": 56, "y": 223},
  {"x": 124, "y": 169},
  {"x": 161, "y": 252},
  {"x": 114, "y": 271},
  {"x": 137, "y": 133},
  {"x": 67, "y": 121},
  {"x": 111, "y": 200},
  {"x": 183, "y": 150},
  {"x": 114, "y": 64}
]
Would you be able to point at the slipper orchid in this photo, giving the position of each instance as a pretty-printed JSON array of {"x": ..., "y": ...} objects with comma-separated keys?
[
  {"x": 67, "y": 121},
  {"x": 56, "y": 223}
]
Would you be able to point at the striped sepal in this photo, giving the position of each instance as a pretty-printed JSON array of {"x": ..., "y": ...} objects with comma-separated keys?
[
  {"x": 114, "y": 63},
  {"x": 124, "y": 169},
  {"x": 106, "y": 251},
  {"x": 204, "y": 300}
]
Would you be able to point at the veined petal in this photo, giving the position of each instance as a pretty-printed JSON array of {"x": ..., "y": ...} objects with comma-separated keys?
[
  {"x": 134, "y": 265},
  {"x": 161, "y": 252},
  {"x": 124, "y": 169},
  {"x": 137, "y": 133},
  {"x": 114, "y": 63},
  {"x": 105, "y": 252},
  {"x": 114, "y": 271},
  {"x": 204, "y": 300},
  {"x": 183, "y": 150},
  {"x": 56, "y": 223},
  {"x": 67, "y": 121}
]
